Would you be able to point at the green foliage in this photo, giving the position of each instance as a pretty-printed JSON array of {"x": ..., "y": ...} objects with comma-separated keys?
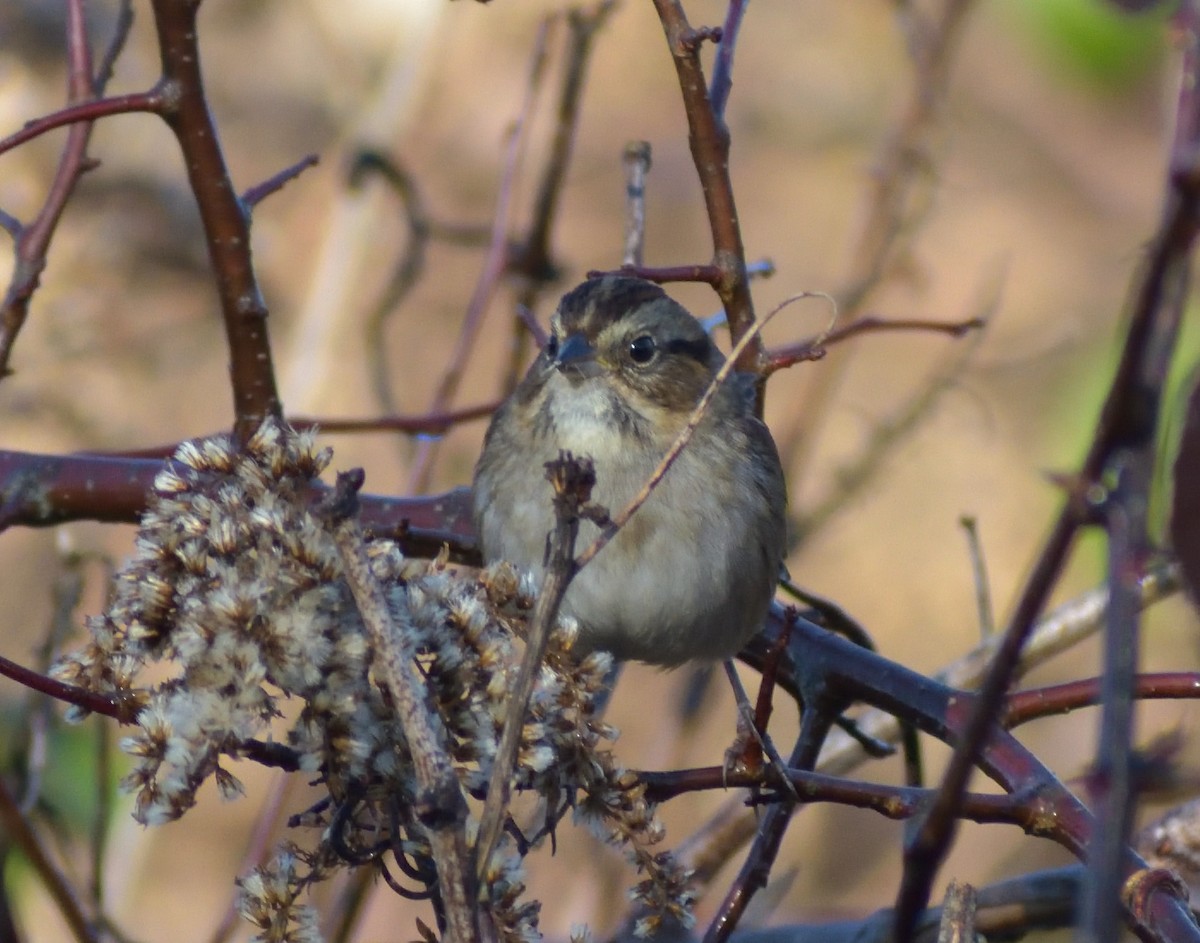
[{"x": 1093, "y": 40}]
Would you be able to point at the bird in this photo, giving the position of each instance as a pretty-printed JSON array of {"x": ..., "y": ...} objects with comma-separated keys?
[{"x": 691, "y": 575}]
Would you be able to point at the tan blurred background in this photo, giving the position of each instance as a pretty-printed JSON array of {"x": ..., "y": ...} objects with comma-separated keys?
[{"x": 1048, "y": 168}]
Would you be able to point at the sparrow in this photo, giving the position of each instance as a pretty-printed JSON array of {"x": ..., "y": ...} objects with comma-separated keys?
[{"x": 692, "y": 573}]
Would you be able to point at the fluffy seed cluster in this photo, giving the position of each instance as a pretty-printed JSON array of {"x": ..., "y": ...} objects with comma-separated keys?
[{"x": 236, "y": 588}]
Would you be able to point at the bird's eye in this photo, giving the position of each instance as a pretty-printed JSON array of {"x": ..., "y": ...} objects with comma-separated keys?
[
  {"x": 552, "y": 346},
  {"x": 642, "y": 349}
]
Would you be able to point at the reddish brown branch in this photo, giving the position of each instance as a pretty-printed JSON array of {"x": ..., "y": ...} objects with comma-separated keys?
[
  {"x": 1024, "y": 706},
  {"x": 225, "y": 221},
  {"x": 86, "y": 112},
  {"x": 44, "y": 490},
  {"x": 123, "y": 710},
  {"x": 893, "y": 802},
  {"x": 1051, "y": 810},
  {"x": 709, "y": 274},
  {"x": 708, "y": 138},
  {"x": 782, "y": 357}
]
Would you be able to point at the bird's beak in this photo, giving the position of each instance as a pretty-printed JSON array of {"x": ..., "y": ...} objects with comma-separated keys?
[{"x": 576, "y": 355}]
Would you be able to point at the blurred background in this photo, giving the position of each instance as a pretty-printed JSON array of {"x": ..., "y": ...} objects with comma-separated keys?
[{"x": 1040, "y": 183}]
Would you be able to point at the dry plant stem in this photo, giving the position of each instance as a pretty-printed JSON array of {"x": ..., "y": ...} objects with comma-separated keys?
[
  {"x": 1127, "y": 421},
  {"x": 18, "y": 831},
  {"x": 32, "y": 241},
  {"x": 572, "y": 481},
  {"x": 708, "y": 137},
  {"x": 440, "y": 806},
  {"x": 225, "y": 218},
  {"x": 636, "y": 159},
  {"x": 891, "y": 219},
  {"x": 493, "y": 267}
]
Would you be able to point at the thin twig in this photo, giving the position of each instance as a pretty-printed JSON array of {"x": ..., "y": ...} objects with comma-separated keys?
[
  {"x": 1021, "y": 707},
  {"x": 722, "y": 77},
  {"x": 572, "y": 481},
  {"x": 154, "y": 101},
  {"x": 116, "y": 45},
  {"x": 780, "y": 357},
  {"x": 979, "y": 573},
  {"x": 273, "y": 184}
]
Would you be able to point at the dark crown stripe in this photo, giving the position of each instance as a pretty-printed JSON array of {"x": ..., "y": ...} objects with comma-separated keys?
[{"x": 607, "y": 299}]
